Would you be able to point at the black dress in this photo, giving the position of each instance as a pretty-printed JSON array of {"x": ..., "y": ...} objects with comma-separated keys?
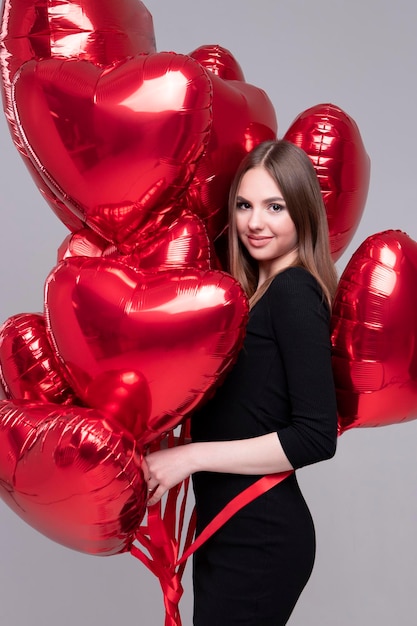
[{"x": 253, "y": 569}]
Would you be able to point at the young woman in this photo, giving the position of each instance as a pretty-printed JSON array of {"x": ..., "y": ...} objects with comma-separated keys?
[{"x": 276, "y": 410}]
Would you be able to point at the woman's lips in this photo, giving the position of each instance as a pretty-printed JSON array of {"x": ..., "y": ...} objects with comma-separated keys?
[{"x": 257, "y": 241}]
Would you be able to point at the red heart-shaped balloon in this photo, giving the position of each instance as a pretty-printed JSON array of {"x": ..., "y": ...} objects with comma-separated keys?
[
  {"x": 175, "y": 333},
  {"x": 374, "y": 333},
  {"x": 219, "y": 61},
  {"x": 29, "y": 367},
  {"x": 333, "y": 142},
  {"x": 118, "y": 145},
  {"x": 71, "y": 475},
  {"x": 184, "y": 243},
  {"x": 101, "y": 32}
]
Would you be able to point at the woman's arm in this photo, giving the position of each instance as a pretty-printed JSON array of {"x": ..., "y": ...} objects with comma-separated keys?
[
  {"x": 301, "y": 324},
  {"x": 258, "y": 455}
]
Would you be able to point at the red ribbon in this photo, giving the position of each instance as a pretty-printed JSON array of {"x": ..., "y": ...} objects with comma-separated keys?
[
  {"x": 162, "y": 536},
  {"x": 261, "y": 486},
  {"x": 163, "y": 551}
]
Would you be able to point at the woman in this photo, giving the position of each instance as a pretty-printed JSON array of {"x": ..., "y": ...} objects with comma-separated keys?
[{"x": 276, "y": 410}]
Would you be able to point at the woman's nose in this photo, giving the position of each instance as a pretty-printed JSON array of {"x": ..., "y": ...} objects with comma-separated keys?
[{"x": 255, "y": 220}]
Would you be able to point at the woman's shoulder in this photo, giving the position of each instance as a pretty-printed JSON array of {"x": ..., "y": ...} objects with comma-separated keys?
[
  {"x": 296, "y": 290},
  {"x": 295, "y": 278}
]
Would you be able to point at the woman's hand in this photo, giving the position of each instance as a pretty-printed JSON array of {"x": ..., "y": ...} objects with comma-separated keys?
[{"x": 165, "y": 469}]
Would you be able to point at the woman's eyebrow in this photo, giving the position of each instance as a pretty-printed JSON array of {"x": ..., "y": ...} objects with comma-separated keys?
[
  {"x": 264, "y": 201},
  {"x": 275, "y": 199}
]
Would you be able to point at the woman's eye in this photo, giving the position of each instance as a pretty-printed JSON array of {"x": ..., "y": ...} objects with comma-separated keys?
[
  {"x": 243, "y": 205},
  {"x": 276, "y": 208}
]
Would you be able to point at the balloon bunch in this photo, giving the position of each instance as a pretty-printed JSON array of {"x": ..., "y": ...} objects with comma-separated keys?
[{"x": 134, "y": 150}]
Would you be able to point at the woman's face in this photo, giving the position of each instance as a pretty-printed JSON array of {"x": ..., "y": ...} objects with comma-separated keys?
[{"x": 263, "y": 223}]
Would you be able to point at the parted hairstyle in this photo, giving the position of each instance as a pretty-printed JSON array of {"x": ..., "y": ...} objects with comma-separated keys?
[{"x": 292, "y": 170}]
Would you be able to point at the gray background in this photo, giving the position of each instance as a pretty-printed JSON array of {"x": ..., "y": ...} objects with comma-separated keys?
[{"x": 360, "y": 55}]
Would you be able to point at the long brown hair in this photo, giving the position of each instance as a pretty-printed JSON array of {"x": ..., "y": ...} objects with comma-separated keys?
[{"x": 294, "y": 173}]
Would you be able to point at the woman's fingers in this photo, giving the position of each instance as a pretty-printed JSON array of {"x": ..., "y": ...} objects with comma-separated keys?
[{"x": 154, "y": 495}]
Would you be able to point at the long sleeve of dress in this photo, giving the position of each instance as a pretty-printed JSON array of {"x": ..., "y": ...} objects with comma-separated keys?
[{"x": 300, "y": 322}]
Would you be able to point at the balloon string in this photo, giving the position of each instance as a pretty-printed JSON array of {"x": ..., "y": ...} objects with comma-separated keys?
[
  {"x": 163, "y": 554},
  {"x": 161, "y": 538}
]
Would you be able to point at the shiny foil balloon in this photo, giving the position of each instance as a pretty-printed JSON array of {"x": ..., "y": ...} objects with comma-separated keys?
[
  {"x": 71, "y": 475},
  {"x": 29, "y": 367},
  {"x": 100, "y": 31},
  {"x": 242, "y": 117},
  {"x": 219, "y": 61},
  {"x": 184, "y": 243},
  {"x": 333, "y": 142},
  {"x": 85, "y": 242},
  {"x": 175, "y": 333},
  {"x": 374, "y": 333},
  {"x": 117, "y": 145}
]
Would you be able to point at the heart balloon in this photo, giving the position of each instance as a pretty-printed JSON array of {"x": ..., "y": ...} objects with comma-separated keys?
[
  {"x": 85, "y": 242},
  {"x": 102, "y": 32},
  {"x": 333, "y": 142},
  {"x": 219, "y": 61},
  {"x": 174, "y": 334},
  {"x": 29, "y": 367},
  {"x": 374, "y": 333},
  {"x": 184, "y": 243},
  {"x": 117, "y": 145},
  {"x": 71, "y": 475}
]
